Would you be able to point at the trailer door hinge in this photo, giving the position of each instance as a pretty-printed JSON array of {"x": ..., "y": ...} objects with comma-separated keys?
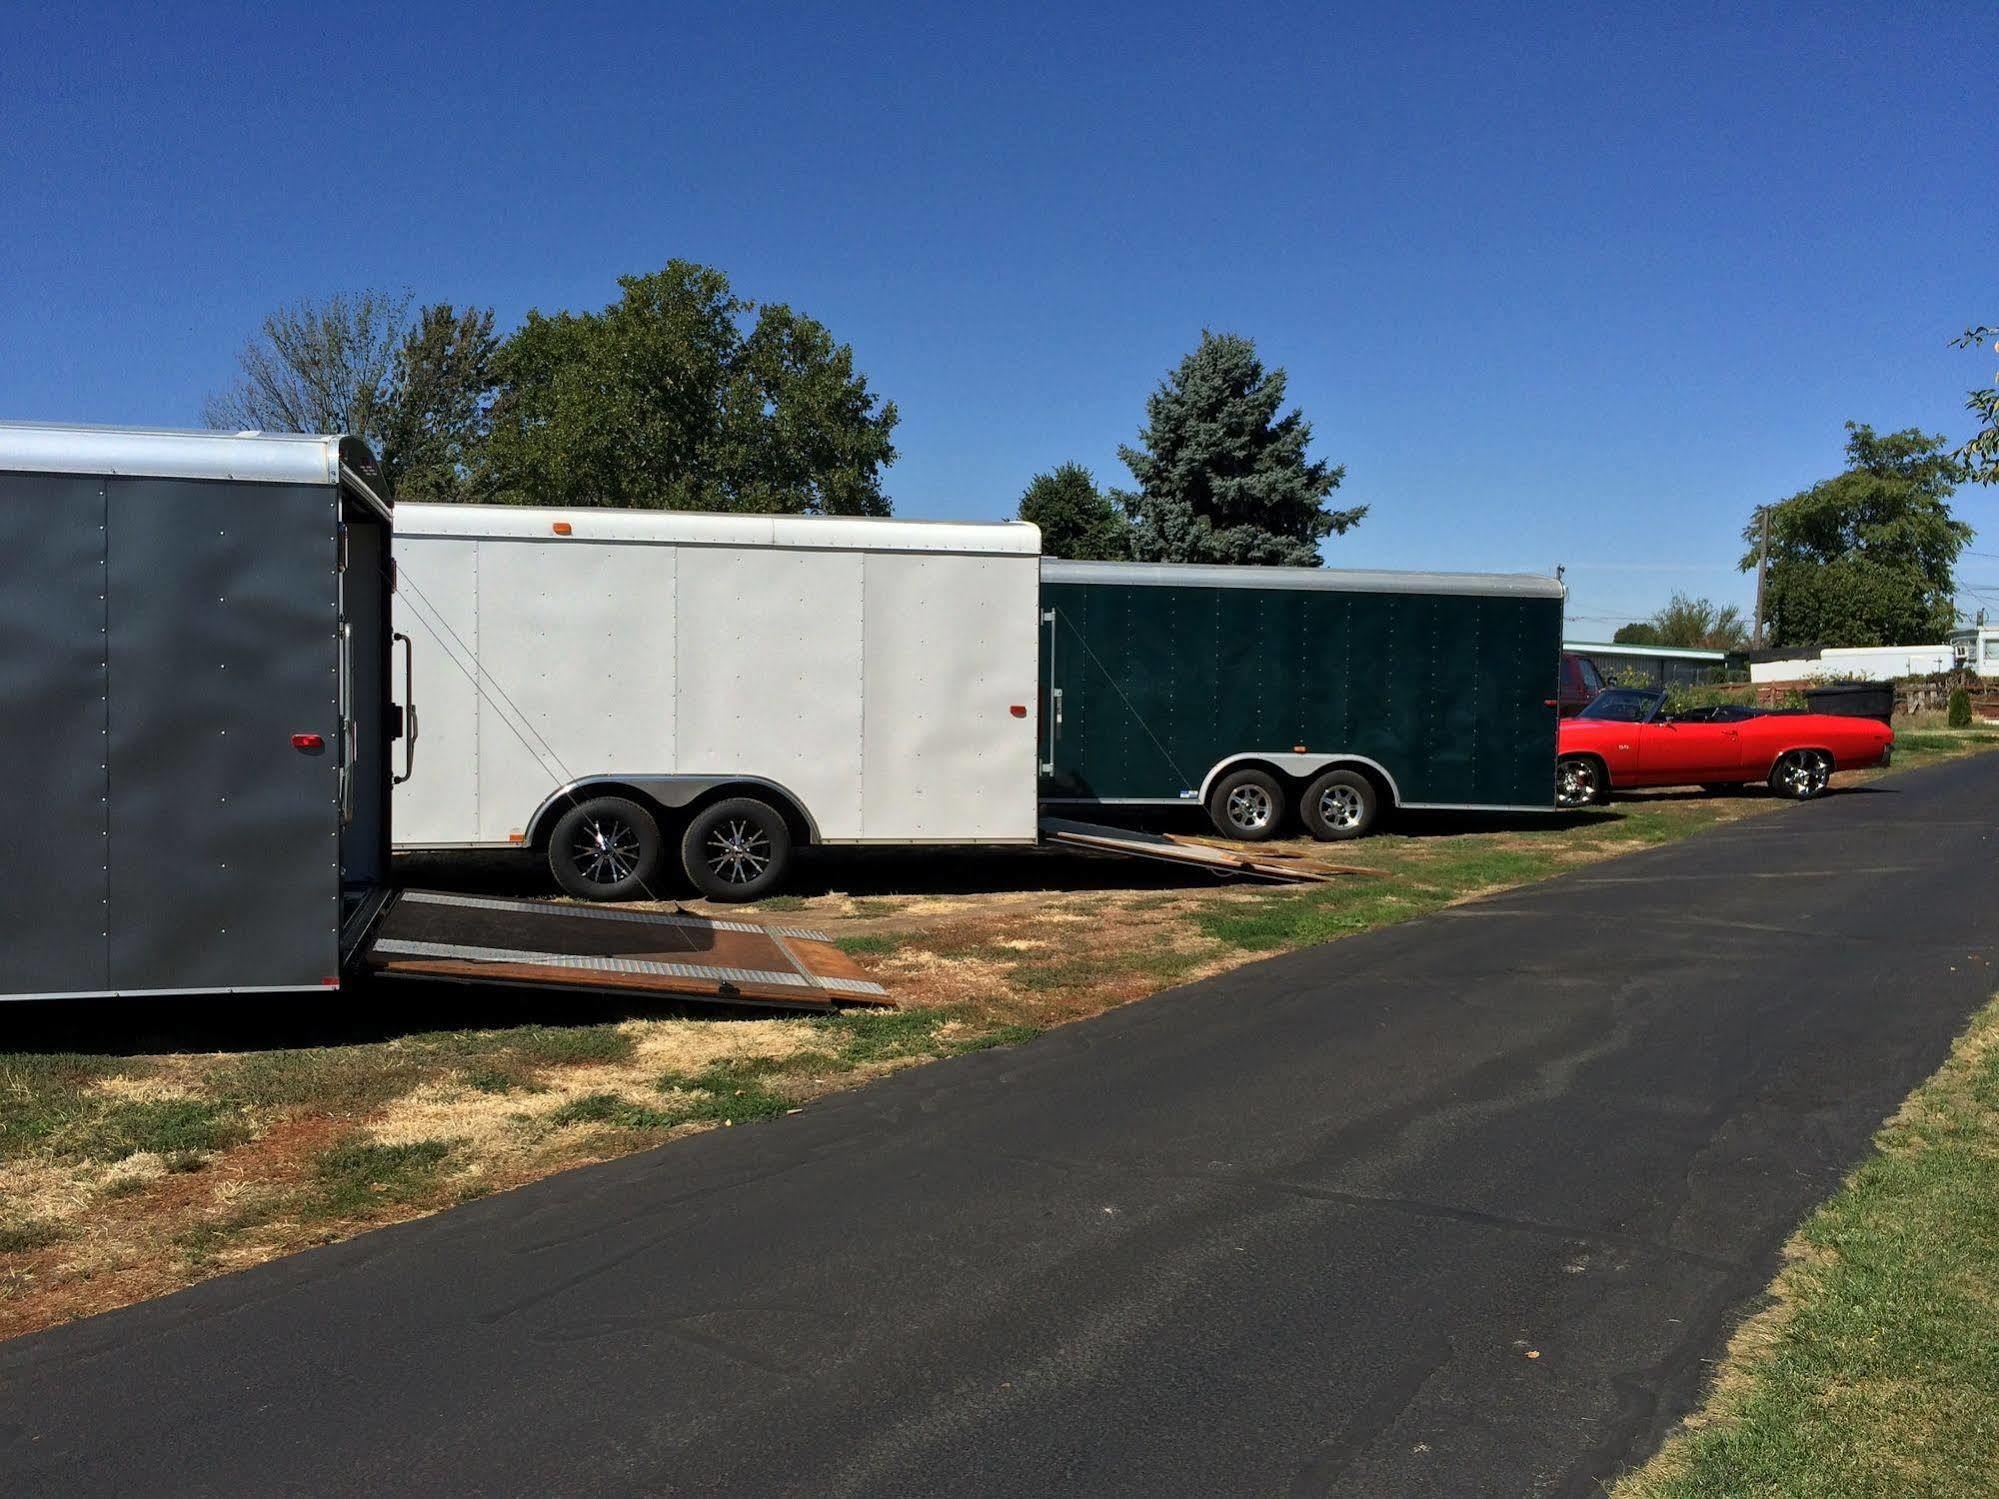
[{"x": 1048, "y": 616}]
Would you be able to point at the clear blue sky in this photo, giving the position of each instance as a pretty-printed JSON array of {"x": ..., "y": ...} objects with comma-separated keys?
[{"x": 1574, "y": 284}]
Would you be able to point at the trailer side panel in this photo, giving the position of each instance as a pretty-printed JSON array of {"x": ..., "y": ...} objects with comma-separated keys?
[
  {"x": 54, "y": 859},
  {"x": 1158, "y": 683},
  {"x": 223, "y": 622}
]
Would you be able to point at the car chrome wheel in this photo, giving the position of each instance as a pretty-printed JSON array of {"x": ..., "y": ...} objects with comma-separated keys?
[
  {"x": 1251, "y": 808},
  {"x": 1803, "y": 774},
  {"x": 1577, "y": 783},
  {"x": 605, "y": 850},
  {"x": 1342, "y": 807},
  {"x": 738, "y": 851}
]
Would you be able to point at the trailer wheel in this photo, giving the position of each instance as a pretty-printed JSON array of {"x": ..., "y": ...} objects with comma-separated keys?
[
  {"x": 607, "y": 848},
  {"x": 739, "y": 849},
  {"x": 1248, "y": 805},
  {"x": 1341, "y": 804}
]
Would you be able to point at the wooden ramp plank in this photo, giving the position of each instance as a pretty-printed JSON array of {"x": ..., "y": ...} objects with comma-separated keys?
[{"x": 433, "y": 934}]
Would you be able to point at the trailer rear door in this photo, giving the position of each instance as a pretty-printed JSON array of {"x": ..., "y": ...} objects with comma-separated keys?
[{"x": 428, "y": 934}]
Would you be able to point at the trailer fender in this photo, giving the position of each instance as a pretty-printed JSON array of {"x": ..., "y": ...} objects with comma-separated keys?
[
  {"x": 671, "y": 793},
  {"x": 1301, "y": 768}
]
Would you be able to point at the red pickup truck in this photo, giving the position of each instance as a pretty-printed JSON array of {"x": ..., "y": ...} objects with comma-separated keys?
[{"x": 1576, "y": 683}]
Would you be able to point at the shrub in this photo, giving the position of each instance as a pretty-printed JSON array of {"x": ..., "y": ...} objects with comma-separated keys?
[{"x": 1960, "y": 708}]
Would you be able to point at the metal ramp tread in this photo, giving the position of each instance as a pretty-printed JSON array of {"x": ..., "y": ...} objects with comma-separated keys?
[{"x": 437, "y": 935}]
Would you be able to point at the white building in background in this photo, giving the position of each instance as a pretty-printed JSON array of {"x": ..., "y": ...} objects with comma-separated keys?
[
  {"x": 1976, "y": 647},
  {"x": 1872, "y": 663}
]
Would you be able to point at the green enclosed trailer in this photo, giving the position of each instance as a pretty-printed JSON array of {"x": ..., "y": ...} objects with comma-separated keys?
[{"x": 1260, "y": 692}]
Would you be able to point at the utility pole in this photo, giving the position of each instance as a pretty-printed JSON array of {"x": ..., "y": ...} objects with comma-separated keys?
[{"x": 1762, "y": 565}]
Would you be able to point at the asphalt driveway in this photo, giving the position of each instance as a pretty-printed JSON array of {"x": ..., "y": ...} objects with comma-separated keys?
[{"x": 1459, "y": 1207}]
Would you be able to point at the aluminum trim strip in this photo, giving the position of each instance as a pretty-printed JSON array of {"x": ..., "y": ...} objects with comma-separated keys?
[
  {"x": 594, "y": 913},
  {"x": 397, "y": 947},
  {"x": 163, "y": 453},
  {"x": 1327, "y": 579},
  {"x": 170, "y": 993}
]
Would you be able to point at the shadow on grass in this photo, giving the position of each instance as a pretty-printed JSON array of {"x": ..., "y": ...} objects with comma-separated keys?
[
  {"x": 361, "y": 1013},
  {"x": 847, "y": 871}
]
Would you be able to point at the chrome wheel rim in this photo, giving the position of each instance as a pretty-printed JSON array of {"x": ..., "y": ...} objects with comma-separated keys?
[
  {"x": 1575, "y": 783},
  {"x": 1340, "y": 807},
  {"x": 738, "y": 851},
  {"x": 1805, "y": 775},
  {"x": 605, "y": 850},
  {"x": 1250, "y": 808}
]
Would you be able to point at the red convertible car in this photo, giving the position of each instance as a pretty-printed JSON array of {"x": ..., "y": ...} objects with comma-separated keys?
[{"x": 1626, "y": 738}]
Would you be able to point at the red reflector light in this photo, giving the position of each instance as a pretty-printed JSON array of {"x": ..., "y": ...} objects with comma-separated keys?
[
  {"x": 308, "y": 742},
  {"x": 1018, "y": 710},
  {"x": 562, "y": 528}
]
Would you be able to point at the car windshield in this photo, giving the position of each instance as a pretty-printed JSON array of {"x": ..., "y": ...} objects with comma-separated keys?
[
  {"x": 1592, "y": 683},
  {"x": 1624, "y": 705}
]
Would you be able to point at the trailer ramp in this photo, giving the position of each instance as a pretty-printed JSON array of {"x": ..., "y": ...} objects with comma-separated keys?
[
  {"x": 1280, "y": 868},
  {"x": 606, "y": 949}
]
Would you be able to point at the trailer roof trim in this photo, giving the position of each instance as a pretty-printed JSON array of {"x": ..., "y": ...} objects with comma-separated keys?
[
  {"x": 706, "y": 528},
  {"x": 1328, "y": 580},
  {"x": 168, "y": 453},
  {"x": 1675, "y": 652}
]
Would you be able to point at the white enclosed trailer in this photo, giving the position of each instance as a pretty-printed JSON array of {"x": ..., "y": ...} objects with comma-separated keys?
[
  {"x": 195, "y": 763},
  {"x": 627, "y": 690}
]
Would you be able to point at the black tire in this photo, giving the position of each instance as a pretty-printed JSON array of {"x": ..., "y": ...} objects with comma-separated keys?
[
  {"x": 1248, "y": 806},
  {"x": 607, "y": 848},
  {"x": 1800, "y": 775},
  {"x": 1340, "y": 804},
  {"x": 739, "y": 849},
  {"x": 1580, "y": 781}
]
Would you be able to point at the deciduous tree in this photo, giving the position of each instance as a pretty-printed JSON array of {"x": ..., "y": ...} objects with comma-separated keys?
[
  {"x": 437, "y": 408},
  {"x": 316, "y": 367},
  {"x": 1699, "y": 624},
  {"x": 682, "y": 396},
  {"x": 416, "y": 391},
  {"x": 1980, "y": 455},
  {"x": 1868, "y": 557}
]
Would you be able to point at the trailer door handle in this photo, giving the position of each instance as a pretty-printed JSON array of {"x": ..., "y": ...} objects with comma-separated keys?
[{"x": 409, "y": 708}]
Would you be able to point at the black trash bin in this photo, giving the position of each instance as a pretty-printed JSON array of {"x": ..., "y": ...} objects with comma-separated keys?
[{"x": 1854, "y": 699}]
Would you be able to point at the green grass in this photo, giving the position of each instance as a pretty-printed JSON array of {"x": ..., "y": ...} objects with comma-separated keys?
[
  {"x": 869, "y": 944},
  {"x": 568, "y": 1045},
  {"x": 357, "y": 1176},
  {"x": 172, "y": 1127},
  {"x": 1918, "y": 742},
  {"x": 499, "y": 1078},
  {"x": 875, "y": 906},
  {"x": 1875, "y": 1372},
  {"x": 21, "y": 1234},
  {"x": 735, "y": 1092},
  {"x": 344, "y": 1078},
  {"x": 610, "y": 1109},
  {"x": 742, "y": 1090},
  {"x": 1436, "y": 876},
  {"x": 44, "y": 1094}
]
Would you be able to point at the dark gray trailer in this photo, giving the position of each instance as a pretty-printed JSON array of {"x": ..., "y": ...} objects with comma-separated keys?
[
  {"x": 194, "y": 655},
  {"x": 199, "y": 674},
  {"x": 1260, "y": 692}
]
